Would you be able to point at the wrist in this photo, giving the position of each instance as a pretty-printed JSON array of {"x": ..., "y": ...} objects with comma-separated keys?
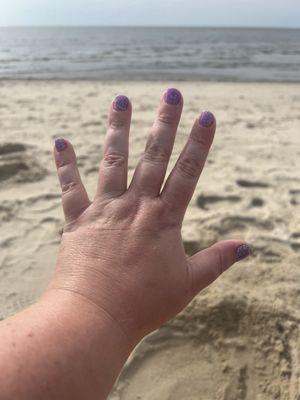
[
  {"x": 81, "y": 312},
  {"x": 103, "y": 293},
  {"x": 87, "y": 339}
]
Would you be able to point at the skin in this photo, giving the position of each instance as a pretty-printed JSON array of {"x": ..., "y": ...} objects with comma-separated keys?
[{"x": 121, "y": 271}]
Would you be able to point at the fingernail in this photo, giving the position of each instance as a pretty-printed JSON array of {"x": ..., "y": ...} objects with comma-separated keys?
[
  {"x": 206, "y": 119},
  {"x": 172, "y": 97},
  {"x": 121, "y": 103},
  {"x": 60, "y": 144},
  {"x": 242, "y": 252}
]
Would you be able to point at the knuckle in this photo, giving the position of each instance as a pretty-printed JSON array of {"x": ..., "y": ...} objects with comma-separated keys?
[
  {"x": 67, "y": 187},
  {"x": 117, "y": 123},
  {"x": 165, "y": 118},
  {"x": 114, "y": 160},
  {"x": 189, "y": 167},
  {"x": 62, "y": 163},
  {"x": 202, "y": 139},
  {"x": 169, "y": 221},
  {"x": 156, "y": 154},
  {"x": 165, "y": 218}
]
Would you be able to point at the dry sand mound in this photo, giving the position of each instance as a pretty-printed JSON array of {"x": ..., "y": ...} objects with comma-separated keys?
[
  {"x": 18, "y": 165},
  {"x": 228, "y": 350}
]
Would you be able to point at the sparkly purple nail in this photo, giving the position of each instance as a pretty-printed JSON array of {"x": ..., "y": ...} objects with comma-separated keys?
[
  {"x": 242, "y": 252},
  {"x": 60, "y": 144},
  {"x": 121, "y": 103},
  {"x": 172, "y": 97},
  {"x": 206, "y": 119}
]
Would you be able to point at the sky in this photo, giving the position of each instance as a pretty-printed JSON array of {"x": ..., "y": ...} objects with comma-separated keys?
[{"x": 264, "y": 13}]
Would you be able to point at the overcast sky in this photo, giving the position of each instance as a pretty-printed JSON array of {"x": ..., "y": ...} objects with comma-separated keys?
[{"x": 277, "y": 13}]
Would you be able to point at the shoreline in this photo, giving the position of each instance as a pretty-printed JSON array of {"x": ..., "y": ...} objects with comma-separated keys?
[{"x": 129, "y": 81}]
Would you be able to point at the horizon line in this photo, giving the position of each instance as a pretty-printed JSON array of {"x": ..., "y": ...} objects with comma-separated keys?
[{"x": 154, "y": 26}]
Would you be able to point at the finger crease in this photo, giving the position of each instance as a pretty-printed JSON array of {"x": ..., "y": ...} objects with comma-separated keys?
[{"x": 68, "y": 186}]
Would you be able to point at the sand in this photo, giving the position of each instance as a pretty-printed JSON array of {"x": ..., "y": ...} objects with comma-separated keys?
[{"x": 239, "y": 339}]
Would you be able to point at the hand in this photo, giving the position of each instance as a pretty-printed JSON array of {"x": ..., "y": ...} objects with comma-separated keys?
[{"x": 123, "y": 252}]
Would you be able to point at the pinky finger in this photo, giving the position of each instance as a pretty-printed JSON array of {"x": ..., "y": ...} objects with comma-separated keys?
[{"x": 74, "y": 196}]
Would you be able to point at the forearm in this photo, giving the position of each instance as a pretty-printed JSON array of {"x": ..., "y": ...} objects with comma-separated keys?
[{"x": 60, "y": 348}]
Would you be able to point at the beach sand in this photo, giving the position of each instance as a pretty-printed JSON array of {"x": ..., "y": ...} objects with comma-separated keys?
[{"x": 239, "y": 339}]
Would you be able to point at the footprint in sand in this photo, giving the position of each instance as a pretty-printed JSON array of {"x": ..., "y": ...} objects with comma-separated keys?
[
  {"x": 229, "y": 351},
  {"x": 240, "y": 223},
  {"x": 270, "y": 249},
  {"x": 8, "y": 148},
  {"x": 295, "y": 241},
  {"x": 7, "y": 211},
  {"x": 251, "y": 184},
  {"x": 295, "y": 197},
  {"x": 257, "y": 202},
  {"x": 267, "y": 255},
  {"x": 251, "y": 125},
  {"x": 204, "y": 201}
]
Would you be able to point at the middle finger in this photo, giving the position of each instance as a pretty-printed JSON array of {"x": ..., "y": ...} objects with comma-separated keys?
[{"x": 150, "y": 171}]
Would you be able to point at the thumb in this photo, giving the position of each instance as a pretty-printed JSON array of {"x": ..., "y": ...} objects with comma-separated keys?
[{"x": 207, "y": 265}]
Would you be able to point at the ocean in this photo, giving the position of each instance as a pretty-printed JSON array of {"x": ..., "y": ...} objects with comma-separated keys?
[{"x": 152, "y": 53}]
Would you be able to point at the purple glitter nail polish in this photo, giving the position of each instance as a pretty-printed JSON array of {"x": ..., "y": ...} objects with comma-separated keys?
[
  {"x": 206, "y": 119},
  {"x": 172, "y": 97},
  {"x": 60, "y": 144},
  {"x": 121, "y": 103},
  {"x": 242, "y": 252}
]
